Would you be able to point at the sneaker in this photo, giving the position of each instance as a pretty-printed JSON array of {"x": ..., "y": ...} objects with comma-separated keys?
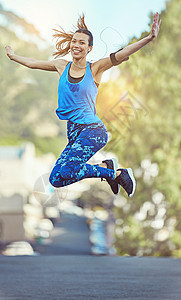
[
  {"x": 127, "y": 181},
  {"x": 112, "y": 164}
]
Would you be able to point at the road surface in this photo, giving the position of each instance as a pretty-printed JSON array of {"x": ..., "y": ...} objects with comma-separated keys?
[{"x": 84, "y": 277}]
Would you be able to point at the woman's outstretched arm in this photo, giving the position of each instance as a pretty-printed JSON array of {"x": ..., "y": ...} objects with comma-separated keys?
[
  {"x": 32, "y": 63},
  {"x": 122, "y": 55},
  {"x": 130, "y": 49}
]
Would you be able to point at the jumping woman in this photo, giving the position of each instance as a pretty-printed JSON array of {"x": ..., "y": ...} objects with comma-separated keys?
[{"x": 77, "y": 92}]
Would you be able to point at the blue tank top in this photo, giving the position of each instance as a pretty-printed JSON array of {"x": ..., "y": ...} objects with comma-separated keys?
[{"x": 76, "y": 101}]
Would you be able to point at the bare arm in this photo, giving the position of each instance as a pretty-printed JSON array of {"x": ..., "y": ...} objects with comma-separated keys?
[
  {"x": 130, "y": 49},
  {"x": 31, "y": 62},
  {"x": 123, "y": 55}
]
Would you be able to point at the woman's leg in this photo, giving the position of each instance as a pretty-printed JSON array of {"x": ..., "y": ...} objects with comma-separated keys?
[
  {"x": 74, "y": 168},
  {"x": 72, "y": 133}
]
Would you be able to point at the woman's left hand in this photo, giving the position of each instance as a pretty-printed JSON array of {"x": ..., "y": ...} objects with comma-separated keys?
[{"x": 156, "y": 26}]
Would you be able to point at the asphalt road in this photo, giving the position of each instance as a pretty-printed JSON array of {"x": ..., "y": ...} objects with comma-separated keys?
[{"x": 84, "y": 277}]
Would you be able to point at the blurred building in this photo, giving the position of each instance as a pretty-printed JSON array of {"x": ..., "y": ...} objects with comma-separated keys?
[
  {"x": 19, "y": 170},
  {"x": 11, "y": 218}
]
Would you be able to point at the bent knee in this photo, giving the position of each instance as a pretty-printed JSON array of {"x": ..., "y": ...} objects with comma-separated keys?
[
  {"x": 52, "y": 180},
  {"x": 66, "y": 171},
  {"x": 55, "y": 180}
]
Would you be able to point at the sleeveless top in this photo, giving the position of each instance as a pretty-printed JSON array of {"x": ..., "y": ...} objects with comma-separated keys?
[{"x": 76, "y": 101}]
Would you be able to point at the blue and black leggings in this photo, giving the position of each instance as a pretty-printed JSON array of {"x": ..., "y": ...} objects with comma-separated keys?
[{"x": 84, "y": 141}]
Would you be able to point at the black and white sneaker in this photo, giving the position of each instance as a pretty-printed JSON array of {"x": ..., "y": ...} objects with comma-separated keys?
[
  {"x": 127, "y": 181},
  {"x": 112, "y": 164}
]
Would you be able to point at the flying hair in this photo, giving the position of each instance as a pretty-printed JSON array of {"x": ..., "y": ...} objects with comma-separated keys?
[{"x": 63, "y": 39}]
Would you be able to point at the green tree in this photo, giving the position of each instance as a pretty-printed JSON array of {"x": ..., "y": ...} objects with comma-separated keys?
[{"x": 28, "y": 97}]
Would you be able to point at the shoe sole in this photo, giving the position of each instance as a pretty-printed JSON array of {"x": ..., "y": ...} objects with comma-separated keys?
[
  {"x": 130, "y": 172},
  {"x": 115, "y": 166}
]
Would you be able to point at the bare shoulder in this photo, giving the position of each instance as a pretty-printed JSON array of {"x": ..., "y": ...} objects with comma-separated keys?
[
  {"x": 102, "y": 64},
  {"x": 60, "y": 65}
]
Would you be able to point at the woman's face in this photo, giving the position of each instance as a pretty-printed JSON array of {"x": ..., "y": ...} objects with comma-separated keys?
[{"x": 79, "y": 45}]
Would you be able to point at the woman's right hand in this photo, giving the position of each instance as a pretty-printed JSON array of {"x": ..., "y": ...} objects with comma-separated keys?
[
  {"x": 156, "y": 26},
  {"x": 9, "y": 51},
  {"x": 52, "y": 65}
]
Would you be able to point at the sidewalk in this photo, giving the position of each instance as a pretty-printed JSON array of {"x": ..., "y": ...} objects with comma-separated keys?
[{"x": 87, "y": 277}]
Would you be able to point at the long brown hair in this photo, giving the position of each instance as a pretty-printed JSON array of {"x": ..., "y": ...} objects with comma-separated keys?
[{"x": 63, "y": 39}]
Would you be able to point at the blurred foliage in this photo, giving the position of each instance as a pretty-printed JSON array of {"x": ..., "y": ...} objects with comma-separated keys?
[
  {"x": 145, "y": 125},
  {"x": 28, "y": 97}
]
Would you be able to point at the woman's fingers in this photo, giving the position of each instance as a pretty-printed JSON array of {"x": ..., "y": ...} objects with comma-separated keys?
[
  {"x": 9, "y": 51},
  {"x": 156, "y": 17},
  {"x": 156, "y": 24},
  {"x": 7, "y": 48}
]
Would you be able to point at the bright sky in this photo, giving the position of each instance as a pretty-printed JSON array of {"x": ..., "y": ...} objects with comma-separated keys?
[{"x": 118, "y": 20}]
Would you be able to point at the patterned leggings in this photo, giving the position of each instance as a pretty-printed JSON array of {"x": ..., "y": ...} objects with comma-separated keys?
[{"x": 84, "y": 141}]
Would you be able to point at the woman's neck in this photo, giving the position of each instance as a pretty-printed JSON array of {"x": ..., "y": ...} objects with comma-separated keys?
[{"x": 79, "y": 64}]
